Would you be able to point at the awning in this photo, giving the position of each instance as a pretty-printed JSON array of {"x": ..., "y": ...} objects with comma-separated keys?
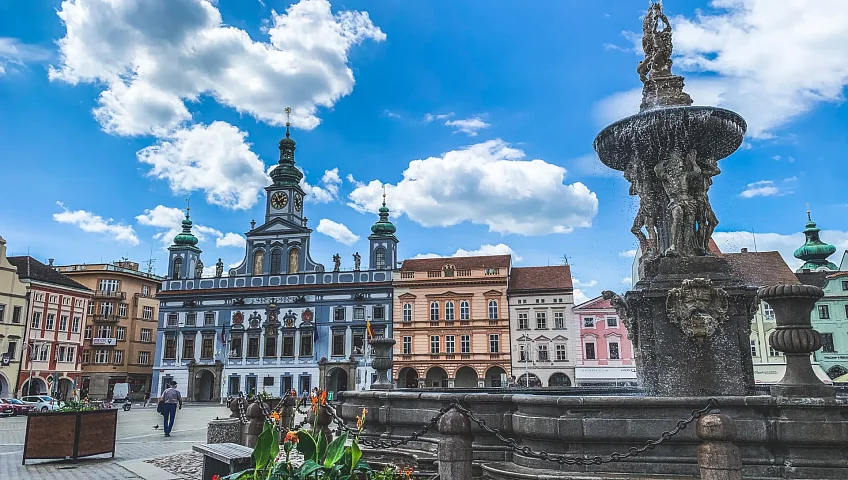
[
  {"x": 605, "y": 373},
  {"x": 769, "y": 373},
  {"x": 842, "y": 379}
]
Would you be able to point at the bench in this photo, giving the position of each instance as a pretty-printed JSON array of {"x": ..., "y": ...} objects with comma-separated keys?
[{"x": 224, "y": 459}]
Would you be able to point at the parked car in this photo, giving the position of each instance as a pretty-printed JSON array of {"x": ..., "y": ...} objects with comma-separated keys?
[
  {"x": 42, "y": 403},
  {"x": 19, "y": 407},
  {"x": 6, "y": 410}
]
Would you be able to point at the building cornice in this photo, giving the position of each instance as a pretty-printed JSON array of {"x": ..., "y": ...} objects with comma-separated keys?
[{"x": 267, "y": 289}]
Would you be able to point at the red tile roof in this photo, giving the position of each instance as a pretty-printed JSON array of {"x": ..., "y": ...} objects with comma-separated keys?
[
  {"x": 761, "y": 269},
  {"x": 460, "y": 263},
  {"x": 540, "y": 278}
]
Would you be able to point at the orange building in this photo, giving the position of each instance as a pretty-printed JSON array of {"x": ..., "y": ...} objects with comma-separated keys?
[{"x": 451, "y": 322}]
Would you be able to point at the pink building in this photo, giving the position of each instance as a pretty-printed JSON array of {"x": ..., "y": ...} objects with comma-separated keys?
[{"x": 605, "y": 356}]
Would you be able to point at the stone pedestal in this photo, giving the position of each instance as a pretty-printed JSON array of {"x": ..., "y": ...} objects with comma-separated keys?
[
  {"x": 689, "y": 320},
  {"x": 455, "y": 453},
  {"x": 718, "y": 457},
  {"x": 225, "y": 430}
]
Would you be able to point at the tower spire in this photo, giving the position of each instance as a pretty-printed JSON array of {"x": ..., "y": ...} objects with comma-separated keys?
[
  {"x": 188, "y": 207},
  {"x": 285, "y": 174},
  {"x": 383, "y": 226},
  {"x": 814, "y": 252}
]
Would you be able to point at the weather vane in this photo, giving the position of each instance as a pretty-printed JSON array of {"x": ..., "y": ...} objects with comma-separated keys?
[
  {"x": 384, "y": 194},
  {"x": 288, "y": 116},
  {"x": 188, "y": 206}
]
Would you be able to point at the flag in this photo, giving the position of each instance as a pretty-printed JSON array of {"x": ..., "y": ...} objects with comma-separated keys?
[{"x": 368, "y": 327}]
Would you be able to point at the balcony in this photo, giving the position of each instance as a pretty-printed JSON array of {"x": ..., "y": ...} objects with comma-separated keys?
[
  {"x": 106, "y": 318},
  {"x": 109, "y": 294},
  {"x": 494, "y": 356},
  {"x": 434, "y": 274},
  {"x": 407, "y": 275}
]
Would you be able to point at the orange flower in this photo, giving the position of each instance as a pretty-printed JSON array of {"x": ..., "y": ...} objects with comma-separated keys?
[
  {"x": 407, "y": 472},
  {"x": 314, "y": 400},
  {"x": 324, "y": 397},
  {"x": 276, "y": 416},
  {"x": 291, "y": 437}
]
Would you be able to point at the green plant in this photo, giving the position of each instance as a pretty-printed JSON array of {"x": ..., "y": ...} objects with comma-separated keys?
[{"x": 77, "y": 406}]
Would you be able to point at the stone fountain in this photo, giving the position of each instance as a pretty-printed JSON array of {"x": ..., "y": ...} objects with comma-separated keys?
[{"x": 689, "y": 319}]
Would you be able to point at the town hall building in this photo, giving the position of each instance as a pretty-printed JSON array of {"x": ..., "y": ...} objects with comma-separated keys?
[{"x": 279, "y": 320}]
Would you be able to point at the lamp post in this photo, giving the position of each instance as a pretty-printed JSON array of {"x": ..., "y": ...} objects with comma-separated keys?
[{"x": 222, "y": 355}]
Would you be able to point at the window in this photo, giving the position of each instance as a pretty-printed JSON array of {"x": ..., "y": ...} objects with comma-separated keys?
[
  {"x": 559, "y": 320},
  {"x": 235, "y": 347},
  {"x": 188, "y": 348},
  {"x": 78, "y": 304},
  {"x": 434, "y": 311},
  {"x": 541, "y": 320},
  {"x": 358, "y": 342},
  {"x": 339, "y": 314},
  {"x": 86, "y": 356},
  {"x": 464, "y": 310},
  {"x": 824, "y": 312},
  {"x": 493, "y": 309},
  {"x": 450, "y": 344},
  {"x": 449, "y": 312},
  {"x": 522, "y": 353},
  {"x": 773, "y": 352},
  {"x": 407, "y": 312},
  {"x": 379, "y": 312},
  {"x": 590, "y": 351},
  {"x": 66, "y": 301},
  {"x": 753, "y": 348},
  {"x": 101, "y": 356},
  {"x": 560, "y": 353},
  {"x": 70, "y": 354},
  {"x": 36, "y": 320},
  {"x": 844, "y": 284},
  {"x": 543, "y": 353},
  {"x": 44, "y": 353},
  {"x": 359, "y": 313},
  {"x": 88, "y": 332},
  {"x": 119, "y": 357},
  {"x": 207, "y": 346},
  {"x": 51, "y": 321},
  {"x": 54, "y": 299},
  {"x": 122, "y": 310},
  {"x": 827, "y": 343},
  {"x": 288, "y": 345},
  {"x": 406, "y": 346},
  {"x": 106, "y": 308},
  {"x": 613, "y": 351},
  {"x": 75, "y": 326},
  {"x": 108, "y": 286},
  {"x": 208, "y": 319},
  {"x": 147, "y": 313},
  {"x": 494, "y": 343},
  {"x": 145, "y": 290},
  {"x": 276, "y": 261},
  {"x": 768, "y": 312},
  {"x": 178, "y": 267},
  {"x": 104, "y": 331},
  {"x": 465, "y": 344},
  {"x": 846, "y": 310},
  {"x": 306, "y": 344},
  {"x": 523, "y": 321},
  {"x": 588, "y": 322},
  {"x": 146, "y": 334},
  {"x": 338, "y": 343},
  {"x": 143, "y": 358},
  {"x": 380, "y": 256},
  {"x": 270, "y": 346},
  {"x": 16, "y": 314},
  {"x": 63, "y": 323},
  {"x": 60, "y": 353},
  {"x": 172, "y": 319},
  {"x": 191, "y": 319},
  {"x": 612, "y": 322},
  {"x": 253, "y": 347},
  {"x": 12, "y": 349},
  {"x": 121, "y": 333},
  {"x": 91, "y": 308},
  {"x": 434, "y": 344}
]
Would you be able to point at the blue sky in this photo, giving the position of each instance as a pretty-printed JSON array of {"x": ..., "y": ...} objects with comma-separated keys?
[{"x": 478, "y": 116}]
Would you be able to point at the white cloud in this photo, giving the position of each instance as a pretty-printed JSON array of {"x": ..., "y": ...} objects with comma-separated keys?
[
  {"x": 430, "y": 117},
  {"x": 391, "y": 114},
  {"x": 590, "y": 166},
  {"x": 153, "y": 56},
  {"x": 211, "y": 158},
  {"x": 337, "y": 231},
  {"x": 627, "y": 280},
  {"x": 627, "y": 253},
  {"x": 580, "y": 296},
  {"x": 230, "y": 239},
  {"x": 14, "y": 54},
  {"x": 484, "y": 250},
  {"x": 760, "y": 54},
  {"x": 768, "y": 188},
  {"x": 89, "y": 222},
  {"x": 589, "y": 284},
  {"x": 731, "y": 242},
  {"x": 327, "y": 192},
  {"x": 488, "y": 183},
  {"x": 468, "y": 126}
]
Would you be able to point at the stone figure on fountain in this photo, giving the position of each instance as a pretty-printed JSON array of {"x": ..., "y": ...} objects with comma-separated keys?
[
  {"x": 642, "y": 185},
  {"x": 660, "y": 86}
]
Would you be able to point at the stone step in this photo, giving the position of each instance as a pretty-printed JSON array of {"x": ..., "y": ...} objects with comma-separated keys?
[{"x": 510, "y": 471}]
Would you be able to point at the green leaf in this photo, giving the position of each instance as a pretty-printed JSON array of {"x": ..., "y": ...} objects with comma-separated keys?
[
  {"x": 308, "y": 468},
  {"x": 335, "y": 451},
  {"x": 322, "y": 447},
  {"x": 306, "y": 445},
  {"x": 355, "y": 455},
  {"x": 238, "y": 475},
  {"x": 266, "y": 448}
]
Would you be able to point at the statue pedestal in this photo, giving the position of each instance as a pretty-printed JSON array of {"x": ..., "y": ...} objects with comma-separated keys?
[
  {"x": 690, "y": 326},
  {"x": 664, "y": 91}
]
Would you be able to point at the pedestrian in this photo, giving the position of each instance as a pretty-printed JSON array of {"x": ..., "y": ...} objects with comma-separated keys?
[{"x": 173, "y": 400}]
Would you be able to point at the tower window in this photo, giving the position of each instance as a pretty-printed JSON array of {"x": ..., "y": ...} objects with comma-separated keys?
[
  {"x": 276, "y": 261},
  {"x": 178, "y": 267},
  {"x": 380, "y": 256}
]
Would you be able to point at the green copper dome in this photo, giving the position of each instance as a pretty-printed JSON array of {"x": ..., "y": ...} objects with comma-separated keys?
[
  {"x": 285, "y": 173},
  {"x": 815, "y": 252},
  {"x": 185, "y": 238},
  {"x": 383, "y": 226}
]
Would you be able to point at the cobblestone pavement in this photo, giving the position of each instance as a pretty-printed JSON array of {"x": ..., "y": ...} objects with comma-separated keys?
[{"x": 136, "y": 439}]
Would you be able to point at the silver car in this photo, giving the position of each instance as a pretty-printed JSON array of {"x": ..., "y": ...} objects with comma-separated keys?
[{"x": 42, "y": 403}]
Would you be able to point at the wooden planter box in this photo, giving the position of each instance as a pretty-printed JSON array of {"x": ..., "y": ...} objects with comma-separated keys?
[{"x": 53, "y": 435}]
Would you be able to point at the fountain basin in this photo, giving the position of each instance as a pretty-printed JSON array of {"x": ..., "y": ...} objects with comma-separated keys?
[{"x": 713, "y": 132}]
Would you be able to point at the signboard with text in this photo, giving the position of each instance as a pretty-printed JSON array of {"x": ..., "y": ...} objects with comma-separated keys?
[{"x": 104, "y": 341}]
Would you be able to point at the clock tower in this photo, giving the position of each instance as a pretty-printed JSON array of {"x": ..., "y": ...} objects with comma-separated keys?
[{"x": 284, "y": 198}]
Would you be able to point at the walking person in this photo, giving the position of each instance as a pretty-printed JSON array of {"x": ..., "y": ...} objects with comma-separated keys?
[{"x": 173, "y": 400}]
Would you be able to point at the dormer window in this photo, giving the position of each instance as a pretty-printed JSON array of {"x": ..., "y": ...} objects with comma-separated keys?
[{"x": 448, "y": 270}]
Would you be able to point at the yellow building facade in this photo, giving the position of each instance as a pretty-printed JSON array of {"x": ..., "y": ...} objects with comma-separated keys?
[{"x": 13, "y": 315}]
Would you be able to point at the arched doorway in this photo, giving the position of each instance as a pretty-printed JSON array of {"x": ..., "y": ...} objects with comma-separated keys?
[
  {"x": 204, "y": 386},
  {"x": 65, "y": 389},
  {"x": 4, "y": 387},
  {"x": 437, "y": 377},
  {"x": 836, "y": 371},
  {"x": 466, "y": 377},
  {"x": 337, "y": 380},
  {"x": 529, "y": 380},
  {"x": 559, "y": 379},
  {"x": 495, "y": 377},
  {"x": 39, "y": 387},
  {"x": 407, "y": 378}
]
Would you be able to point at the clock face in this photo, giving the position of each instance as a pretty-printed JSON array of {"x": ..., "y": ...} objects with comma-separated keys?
[
  {"x": 298, "y": 202},
  {"x": 279, "y": 200}
]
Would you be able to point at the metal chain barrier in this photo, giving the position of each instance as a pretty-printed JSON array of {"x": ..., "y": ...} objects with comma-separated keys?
[
  {"x": 712, "y": 404},
  {"x": 242, "y": 414}
]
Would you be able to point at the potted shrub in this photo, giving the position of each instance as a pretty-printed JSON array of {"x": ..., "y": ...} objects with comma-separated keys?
[{"x": 76, "y": 430}]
